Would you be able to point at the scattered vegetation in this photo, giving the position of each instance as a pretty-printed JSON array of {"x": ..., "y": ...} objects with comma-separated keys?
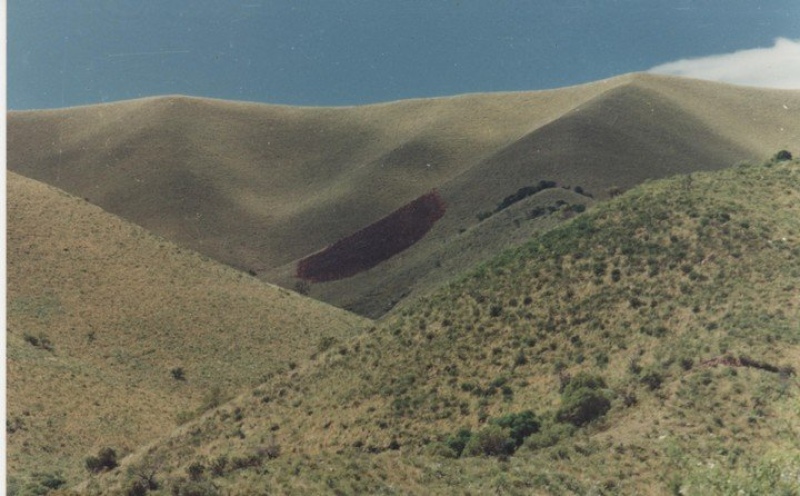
[
  {"x": 661, "y": 317},
  {"x": 520, "y": 195},
  {"x": 40, "y": 483}
]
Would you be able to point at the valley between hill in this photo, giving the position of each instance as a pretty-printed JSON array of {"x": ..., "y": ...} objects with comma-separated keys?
[
  {"x": 595, "y": 291},
  {"x": 649, "y": 345},
  {"x": 262, "y": 187}
]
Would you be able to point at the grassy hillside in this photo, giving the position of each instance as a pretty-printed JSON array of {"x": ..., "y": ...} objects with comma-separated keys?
[
  {"x": 116, "y": 336},
  {"x": 654, "y": 340},
  {"x": 261, "y": 187}
]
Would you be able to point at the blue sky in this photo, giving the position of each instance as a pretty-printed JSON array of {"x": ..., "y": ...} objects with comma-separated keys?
[{"x": 344, "y": 52}]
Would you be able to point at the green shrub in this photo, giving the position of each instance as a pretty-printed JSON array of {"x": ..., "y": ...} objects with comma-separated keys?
[
  {"x": 549, "y": 435},
  {"x": 583, "y": 400},
  {"x": 520, "y": 425},
  {"x": 178, "y": 374},
  {"x": 492, "y": 440},
  {"x": 458, "y": 442},
  {"x": 782, "y": 156},
  {"x": 578, "y": 208},
  {"x": 41, "y": 341},
  {"x": 582, "y": 406},
  {"x": 501, "y": 437},
  {"x": 523, "y": 193},
  {"x": 218, "y": 466},
  {"x": 196, "y": 471},
  {"x": 106, "y": 459},
  {"x": 40, "y": 483},
  {"x": 652, "y": 379}
]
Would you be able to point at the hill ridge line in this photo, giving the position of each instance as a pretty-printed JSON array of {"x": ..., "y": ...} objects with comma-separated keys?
[{"x": 621, "y": 79}]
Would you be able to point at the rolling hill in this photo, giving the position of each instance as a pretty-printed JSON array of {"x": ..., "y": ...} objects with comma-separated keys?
[
  {"x": 115, "y": 336},
  {"x": 646, "y": 346},
  {"x": 262, "y": 187}
]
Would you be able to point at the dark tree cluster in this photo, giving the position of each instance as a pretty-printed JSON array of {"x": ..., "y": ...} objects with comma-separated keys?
[{"x": 523, "y": 193}]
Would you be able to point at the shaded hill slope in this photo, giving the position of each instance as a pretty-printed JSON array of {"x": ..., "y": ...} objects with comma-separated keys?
[
  {"x": 655, "y": 339},
  {"x": 261, "y": 187},
  {"x": 115, "y": 335},
  {"x": 632, "y": 132}
]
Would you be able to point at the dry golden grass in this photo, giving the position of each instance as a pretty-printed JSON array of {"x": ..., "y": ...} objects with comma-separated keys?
[
  {"x": 259, "y": 187},
  {"x": 119, "y": 309}
]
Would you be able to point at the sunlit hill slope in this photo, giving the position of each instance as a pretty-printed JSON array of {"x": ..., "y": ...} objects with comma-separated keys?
[
  {"x": 116, "y": 336},
  {"x": 646, "y": 346}
]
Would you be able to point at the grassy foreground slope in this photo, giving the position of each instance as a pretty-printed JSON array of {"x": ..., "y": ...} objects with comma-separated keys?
[
  {"x": 655, "y": 339},
  {"x": 116, "y": 336}
]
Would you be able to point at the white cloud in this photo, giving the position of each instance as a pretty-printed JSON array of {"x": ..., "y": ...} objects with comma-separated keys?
[{"x": 774, "y": 67}]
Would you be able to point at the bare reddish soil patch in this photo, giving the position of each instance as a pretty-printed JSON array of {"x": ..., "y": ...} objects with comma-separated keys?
[{"x": 375, "y": 243}]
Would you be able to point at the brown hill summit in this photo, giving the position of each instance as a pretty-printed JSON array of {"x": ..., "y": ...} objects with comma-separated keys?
[
  {"x": 261, "y": 187},
  {"x": 115, "y": 336}
]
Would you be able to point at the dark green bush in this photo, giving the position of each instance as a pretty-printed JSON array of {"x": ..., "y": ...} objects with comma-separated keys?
[
  {"x": 549, "y": 435},
  {"x": 523, "y": 193},
  {"x": 520, "y": 425},
  {"x": 582, "y": 406},
  {"x": 178, "y": 374},
  {"x": 41, "y": 341},
  {"x": 459, "y": 441},
  {"x": 196, "y": 471},
  {"x": 218, "y": 466},
  {"x": 652, "y": 379},
  {"x": 501, "y": 437},
  {"x": 782, "y": 156},
  {"x": 583, "y": 400},
  {"x": 492, "y": 440},
  {"x": 578, "y": 208},
  {"x": 44, "y": 482},
  {"x": 106, "y": 459}
]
